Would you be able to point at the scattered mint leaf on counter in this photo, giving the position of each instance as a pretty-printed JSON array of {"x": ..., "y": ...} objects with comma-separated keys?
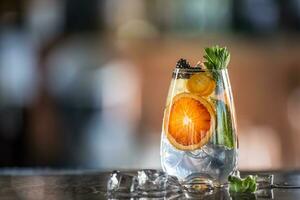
[{"x": 242, "y": 185}]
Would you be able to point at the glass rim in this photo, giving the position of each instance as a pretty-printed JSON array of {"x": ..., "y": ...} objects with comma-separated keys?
[{"x": 196, "y": 70}]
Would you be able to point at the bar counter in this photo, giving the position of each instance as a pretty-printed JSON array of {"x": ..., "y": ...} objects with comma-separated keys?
[{"x": 91, "y": 184}]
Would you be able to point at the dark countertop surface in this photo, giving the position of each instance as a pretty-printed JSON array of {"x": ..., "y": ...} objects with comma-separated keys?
[{"x": 91, "y": 184}]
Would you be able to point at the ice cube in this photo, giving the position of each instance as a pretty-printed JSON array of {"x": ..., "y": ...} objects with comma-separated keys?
[
  {"x": 113, "y": 182},
  {"x": 149, "y": 180},
  {"x": 214, "y": 155},
  {"x": 172, "y": 157},
  {"x": 120, "y": 182},
  {"x": 149, "y": 183}
]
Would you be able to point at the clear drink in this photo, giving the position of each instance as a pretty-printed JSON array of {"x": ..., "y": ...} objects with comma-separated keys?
[{"x": 199, "y": 129}]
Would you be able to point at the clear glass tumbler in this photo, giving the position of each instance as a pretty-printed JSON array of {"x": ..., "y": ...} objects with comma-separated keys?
[{"x": 199, "y": 137}]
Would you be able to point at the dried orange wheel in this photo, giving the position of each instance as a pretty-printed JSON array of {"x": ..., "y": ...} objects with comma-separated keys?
[
  {"x": 202, "y": 84},
  {"x": 189, "y": 121}
]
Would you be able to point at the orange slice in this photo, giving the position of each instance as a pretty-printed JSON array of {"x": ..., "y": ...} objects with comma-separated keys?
[
  {"x": 189, "y": 121},
  {"x": 202, "y": 84}
]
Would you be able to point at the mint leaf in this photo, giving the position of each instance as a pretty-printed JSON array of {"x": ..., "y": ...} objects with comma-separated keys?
[
  {"x": 239, "y": 185},
  {"x": 224, "y": 128},
  {"x": 216, "y": 58}
]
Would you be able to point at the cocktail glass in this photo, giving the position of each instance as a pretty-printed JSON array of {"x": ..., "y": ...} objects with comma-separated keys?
[{"x": 199, "y": 140}]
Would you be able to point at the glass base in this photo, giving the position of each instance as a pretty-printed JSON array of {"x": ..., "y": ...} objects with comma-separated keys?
[{"x": 200, "y": 184}]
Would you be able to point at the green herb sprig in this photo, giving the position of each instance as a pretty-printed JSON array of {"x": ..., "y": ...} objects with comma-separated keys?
[
  {"x": 216, "y": 58},
  {"x": 224, "y": 129},
  {"x": 239, "y": 185}
]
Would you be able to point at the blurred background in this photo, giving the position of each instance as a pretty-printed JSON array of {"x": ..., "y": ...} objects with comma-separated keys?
[{"x": 83, "y": 83}]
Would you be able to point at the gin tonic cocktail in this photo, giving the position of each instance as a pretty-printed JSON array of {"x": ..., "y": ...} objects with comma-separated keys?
[{"x": 199, "y": 130}]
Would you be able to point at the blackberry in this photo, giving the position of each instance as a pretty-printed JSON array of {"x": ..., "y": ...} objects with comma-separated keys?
[{"x": 182, "y": 63}]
